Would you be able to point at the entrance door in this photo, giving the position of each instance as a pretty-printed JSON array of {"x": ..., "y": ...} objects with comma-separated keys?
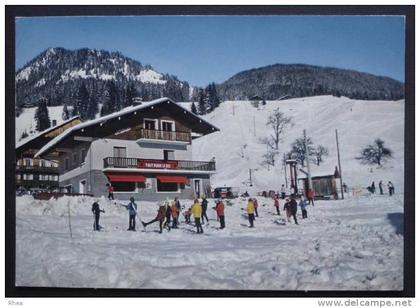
[
  {"x": 82, "y": 187},
  {"x": 197, "y": 188}
]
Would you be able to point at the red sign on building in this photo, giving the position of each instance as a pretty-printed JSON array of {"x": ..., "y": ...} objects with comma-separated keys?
[{"x": 156, "y": 164}]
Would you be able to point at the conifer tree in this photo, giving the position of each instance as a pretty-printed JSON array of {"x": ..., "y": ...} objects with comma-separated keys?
[
  {"x": 66, "y": 113},
  {"x": 42, "y": 118},
  {"x": 130, "y": 94},
  {"x": 202, "y": 108},
  {"x": 82, "y": 100},
  {"x": 193, "y": 108},
  {"x": 111, "y": 99}
]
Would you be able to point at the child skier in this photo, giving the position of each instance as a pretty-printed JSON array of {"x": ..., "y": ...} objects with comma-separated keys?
[
  {"x": 160, "y": 217},
  {"x": 187, "y": 215},
  {"x": 110, "y": 190},
  {"x": 277, "y": 205},
  {"x": 293, "y": 208},
  {"x": 132, "y": 212},
  {"x": 250, "y": 209},
  {"x": 204, "y": 204},
  {"x": 302, "y": 204},
  {"x": 97, "y": 212},
  {"x": 255, "y": 206},
  {"x": 220, "y": 210},
  {"x": 168, "y": 213},
  {"x": 197, "y": 211},
  {"x": 175, "y": 214}
]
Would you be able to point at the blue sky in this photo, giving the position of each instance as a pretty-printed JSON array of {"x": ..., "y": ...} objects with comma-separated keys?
[{"x": 202, "y": 49}]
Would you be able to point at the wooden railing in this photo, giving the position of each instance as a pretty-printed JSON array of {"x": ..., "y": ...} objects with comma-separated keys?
[
  {"x": 38, "y": 168},
  {"x": 165, "y": 135},
  {"x": 139, "y": 163}
]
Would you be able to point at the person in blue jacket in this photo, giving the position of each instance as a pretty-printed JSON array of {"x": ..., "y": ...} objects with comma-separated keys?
[
  {"x": 303, "y": 205},
  {"x": 132, "y": 212}
]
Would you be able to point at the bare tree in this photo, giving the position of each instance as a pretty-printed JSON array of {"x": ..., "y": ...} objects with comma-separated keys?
[
  {"x": 278, "y": 122},
  {"x": 375, "y": 153},
  {"x": 299, "y": 150},
  {"x": 269, "y": 158},
  {"x": 320, "y": 152}
]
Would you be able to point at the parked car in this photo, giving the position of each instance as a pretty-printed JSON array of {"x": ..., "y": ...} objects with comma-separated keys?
[{"x": 226, "y": 192}]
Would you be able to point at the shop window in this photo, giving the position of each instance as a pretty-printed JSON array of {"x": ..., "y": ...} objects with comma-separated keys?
[
  {"x": 166, "y": 187},
  {"x": 124, "y": 186}
]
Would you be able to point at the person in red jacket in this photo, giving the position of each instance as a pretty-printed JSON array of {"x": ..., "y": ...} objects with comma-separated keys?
[
  {"x": 110, "y": 190},
  {"x": 311, "y": 195},
  {"x": 220, "y": 210},
  {"x": 256, "y": 206},
  {"x": 160, "y": 217},
  {"x": 277, "y": 205}
]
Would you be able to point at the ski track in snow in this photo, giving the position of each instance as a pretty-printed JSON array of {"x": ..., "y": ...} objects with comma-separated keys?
[{"x": 349, "y": 244}]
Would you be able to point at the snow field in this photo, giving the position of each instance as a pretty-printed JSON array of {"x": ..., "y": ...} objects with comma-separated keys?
[
  {"x": 358, "y": 123},
  {"x": 351, "y": 244}
]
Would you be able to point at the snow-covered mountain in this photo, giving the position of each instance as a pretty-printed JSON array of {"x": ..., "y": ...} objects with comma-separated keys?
[
  {"x": 237, "y": 147},
  {"x": 57, "y": 73}
]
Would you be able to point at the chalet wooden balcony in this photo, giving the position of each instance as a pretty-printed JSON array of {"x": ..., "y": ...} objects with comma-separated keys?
[
  {"x": 37, "y": 168},
  {"x": 139, "y": 163},
  {"x": 152, "y": 134}
]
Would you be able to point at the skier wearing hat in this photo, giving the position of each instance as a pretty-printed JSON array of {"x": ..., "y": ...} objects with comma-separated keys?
[
  {"x": 197, "y": 211},
  {"x": 250, "y": 209},
  {"x": 220, "y": 210},
  {"x": 97, "y": 212},
  {"x": 132, "y": 212},
  {"x": 160, "y": 217}
]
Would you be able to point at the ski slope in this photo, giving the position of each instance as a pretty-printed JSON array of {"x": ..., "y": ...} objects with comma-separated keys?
[
  {"x": 358, "y": 123},
  {"x": 351, "y": 244}
]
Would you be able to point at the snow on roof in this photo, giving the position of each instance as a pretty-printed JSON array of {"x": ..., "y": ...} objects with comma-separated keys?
[
  {"x": 122, "y": 112},
  {"x": 33, "y": 137}
]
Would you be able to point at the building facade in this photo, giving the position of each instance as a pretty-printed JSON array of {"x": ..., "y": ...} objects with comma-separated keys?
[
  {"x": 143, "y": 151},
  {"x": 38, "y": 173}
]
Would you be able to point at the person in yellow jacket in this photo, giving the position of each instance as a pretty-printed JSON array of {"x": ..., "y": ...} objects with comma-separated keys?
[
  {"x": 250, "y": 209},
  {"x": 197, "y": 211}
]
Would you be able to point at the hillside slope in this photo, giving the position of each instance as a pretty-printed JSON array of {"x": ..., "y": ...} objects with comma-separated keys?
[
  {"x": 302, "y": 80},
  {"x": 358, "y": 123}
]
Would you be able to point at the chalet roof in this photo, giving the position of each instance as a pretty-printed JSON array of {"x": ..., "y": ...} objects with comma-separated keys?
[
  {"x": 38, "y": 140},
  {"x": 93, "y": 128}
]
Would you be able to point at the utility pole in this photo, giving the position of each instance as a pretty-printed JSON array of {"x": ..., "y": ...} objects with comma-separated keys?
[
  {"x": 339, "y": 165},
  {"x": 250, "y": 177},
  {"x": 307, "y": 160},
  {"x": 285, "y": 168},
  {"x": 255, "y": 132}
]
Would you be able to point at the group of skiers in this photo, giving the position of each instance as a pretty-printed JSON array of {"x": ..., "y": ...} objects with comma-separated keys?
[
  {"x": 290, "y": 206},
  {"x": 168, "y": 212},
  {"x": 372, "y": 188}
]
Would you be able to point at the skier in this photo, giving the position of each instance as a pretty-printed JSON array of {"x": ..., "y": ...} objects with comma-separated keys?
[
  {"x": 310, "y": 196},
  {"x": 197, "y": 211},
  {"x": 160, "y": 217},
  {"x": 287, "y": 209},
  {"x": 283, "y": 192},
  {"x": 381, "y": 191},
  {"x": 187, "y": 215},
  {"x": 293, "y": 208},
  {"x": 391, "y": 188},
  {"x": 255, "y": 206},
  {"x": 168, "y": 214},
  {"x": 372, "y": 187},
  {"x": 220, "y": 210},
  {"x": 175, "y": 214},
  {"x": 110, "y": 190},
  {"x": 97, "y": 212},
  {"x": 302, "y": 204},
  {"x": 277, "y": 205},
  {"x": 204, "y": 204},
  {"x": 250, "y": 210},
  {"x": 132, "y": 211}
]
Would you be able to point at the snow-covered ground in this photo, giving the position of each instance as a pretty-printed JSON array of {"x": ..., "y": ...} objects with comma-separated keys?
[{"x": 351, "y": 244}]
